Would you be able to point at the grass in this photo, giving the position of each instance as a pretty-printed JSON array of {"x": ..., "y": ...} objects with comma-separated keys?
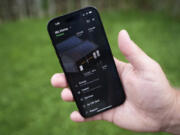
[{"x": 28, "y": 103}]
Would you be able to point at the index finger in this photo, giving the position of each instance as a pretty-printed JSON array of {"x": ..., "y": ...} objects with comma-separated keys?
[{"x": 58, "y": 80}]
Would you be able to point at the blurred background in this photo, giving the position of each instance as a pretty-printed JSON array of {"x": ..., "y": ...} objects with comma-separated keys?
[{"x": 28, "y": 103}]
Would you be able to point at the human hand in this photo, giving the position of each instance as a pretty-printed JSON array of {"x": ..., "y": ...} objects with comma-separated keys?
[{"x": 149, "y": 95}]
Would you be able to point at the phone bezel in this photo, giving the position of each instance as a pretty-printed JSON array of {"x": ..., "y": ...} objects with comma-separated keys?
[{"x": 103, "y": 34}]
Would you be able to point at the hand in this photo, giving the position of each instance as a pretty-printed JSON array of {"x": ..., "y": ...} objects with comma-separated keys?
[{"x": 149, "y": 95}]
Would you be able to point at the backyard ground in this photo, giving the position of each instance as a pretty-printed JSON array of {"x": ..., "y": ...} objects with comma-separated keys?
[{"x": 28, "y": 103}]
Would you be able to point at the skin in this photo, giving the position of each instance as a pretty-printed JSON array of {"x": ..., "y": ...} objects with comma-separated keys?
[{"x": 151, "y": 101}]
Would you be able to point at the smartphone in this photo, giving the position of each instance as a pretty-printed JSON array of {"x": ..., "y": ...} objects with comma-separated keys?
[{"x": 84, "y": 53}]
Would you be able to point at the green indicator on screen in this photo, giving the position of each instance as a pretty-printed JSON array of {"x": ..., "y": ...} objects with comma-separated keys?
[{"x": 60, "y": 34}]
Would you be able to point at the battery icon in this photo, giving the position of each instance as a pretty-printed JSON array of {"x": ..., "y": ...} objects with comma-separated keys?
[{"x": 60, "y": 34}]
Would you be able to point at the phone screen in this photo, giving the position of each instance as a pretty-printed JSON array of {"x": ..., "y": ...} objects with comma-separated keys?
[{"x": 84, "y": 53}]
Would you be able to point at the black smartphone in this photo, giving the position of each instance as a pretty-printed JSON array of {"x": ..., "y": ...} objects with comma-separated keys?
[{"x": 84, "y": 53}]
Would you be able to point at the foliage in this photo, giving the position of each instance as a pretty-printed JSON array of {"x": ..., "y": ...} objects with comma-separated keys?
[
  {"x": 20, "y": 9},
  {"x": 28, "y": 103}
]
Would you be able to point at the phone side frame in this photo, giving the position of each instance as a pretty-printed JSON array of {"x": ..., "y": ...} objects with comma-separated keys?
[{"x": 61, "y": 63}]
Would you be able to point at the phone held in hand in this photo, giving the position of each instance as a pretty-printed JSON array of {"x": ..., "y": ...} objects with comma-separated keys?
[{"x": 84, "y": 53}]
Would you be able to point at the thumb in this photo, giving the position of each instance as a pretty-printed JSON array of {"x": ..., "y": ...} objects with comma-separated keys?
[{"x": 132, "y": 52}]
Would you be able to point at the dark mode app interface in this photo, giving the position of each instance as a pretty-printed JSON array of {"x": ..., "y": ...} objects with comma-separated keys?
[{"x": 85, "y": 55}]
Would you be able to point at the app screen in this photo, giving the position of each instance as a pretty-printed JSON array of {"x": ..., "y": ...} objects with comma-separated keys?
[{"x": 86, "y": 58}]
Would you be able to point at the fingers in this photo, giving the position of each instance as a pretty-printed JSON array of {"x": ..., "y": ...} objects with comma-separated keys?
[
  {"x": 107, "y": 116},
  {"x": 120, "y": 66},
  {"x": 131, "y": 51},
  {"x": 58, "y": 80},
  {"x": 66, "y": 95},
  {"x": 76, "y": 117}
]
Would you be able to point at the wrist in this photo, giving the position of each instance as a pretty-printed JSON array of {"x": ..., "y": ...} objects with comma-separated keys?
[{"x": 173, "y": 120}]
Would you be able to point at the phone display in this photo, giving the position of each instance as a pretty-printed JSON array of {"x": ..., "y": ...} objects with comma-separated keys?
[{"x": 85, "y": 55}]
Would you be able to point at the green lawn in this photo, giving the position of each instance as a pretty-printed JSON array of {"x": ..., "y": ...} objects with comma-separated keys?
[{"x": 28, "y": 103}]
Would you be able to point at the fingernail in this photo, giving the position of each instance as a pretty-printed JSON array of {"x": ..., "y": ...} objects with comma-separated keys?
[{"x": 124, "y": 33}]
